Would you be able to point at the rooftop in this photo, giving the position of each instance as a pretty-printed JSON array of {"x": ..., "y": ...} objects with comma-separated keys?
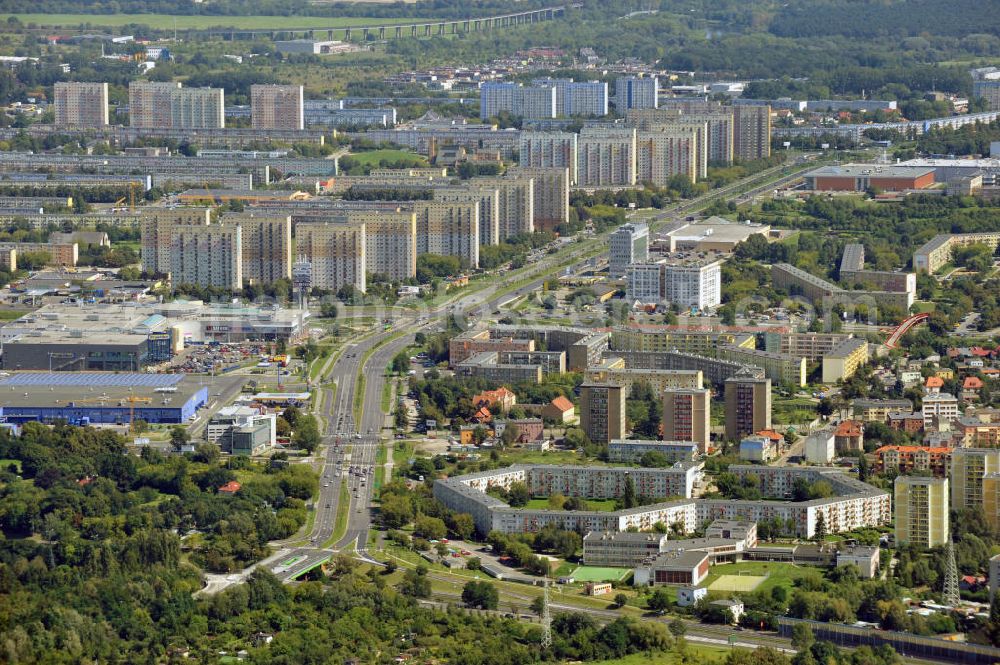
[{"x": 876, "y": 170}]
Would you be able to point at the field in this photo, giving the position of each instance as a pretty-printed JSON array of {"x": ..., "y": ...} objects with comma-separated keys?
[
  {"x": 774, "y": 574},
  {"x": 736, "y": 583},
  {"x": 168, "y": 22},
  {"x": 598, "y": 574},
  {"x": 373, "y": 158}
]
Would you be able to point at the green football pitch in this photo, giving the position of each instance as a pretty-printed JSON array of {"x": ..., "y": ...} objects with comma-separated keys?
[
  {"x": 598, "y": 574},
  {"x": 736, "y": 583}
]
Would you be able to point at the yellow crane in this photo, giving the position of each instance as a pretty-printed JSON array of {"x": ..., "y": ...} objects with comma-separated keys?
[{"x": 132, "y": 400}]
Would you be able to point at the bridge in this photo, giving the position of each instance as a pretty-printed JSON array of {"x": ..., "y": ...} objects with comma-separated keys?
[
  {"x": 904, "y": 328},
  {"x": 420, "y": 28}
]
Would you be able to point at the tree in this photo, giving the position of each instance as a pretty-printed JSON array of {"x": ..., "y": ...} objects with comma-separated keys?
[
  {"x": 820, "y": 534},
  {"x": 463, "y": 525},
  {"x": 400, "y": 363},
  {"x": 518, "y": 495},
  {"x": 537, "y": 605},
  {"x": 864, "y": 468},
  {"x": 659, "y": 601},
  {"x": 179, "y": 436},
  {"x": 802, "y": 637},
  {"x": 482, "y": 595},
  {"x": 677, "y": 628},
  {"x": 629, "y": 498},
  {"x": 416, "y": 583},
  {"x": 620, "y": 600},
  {"x": 307, "y": 436},
  {"x": 431, "y": 528},
  {"x": 510, "y": 434}
]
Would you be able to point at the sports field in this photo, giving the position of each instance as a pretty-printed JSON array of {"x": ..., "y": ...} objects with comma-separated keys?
[
  {"x": 598, "y": 574},
  {"x": 167, "y": 22},
  {"x": 736, "y": 583}
]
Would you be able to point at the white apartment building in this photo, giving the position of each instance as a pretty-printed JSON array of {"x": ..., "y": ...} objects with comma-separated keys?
[
  {"x": 578, "y": 98},
  {"x": 523, "y": 102},
  {"x": 663, "y": 154},
  {"x": 155, "y": 227},
  {"x": 606, "y": 157},
  {"x": 939, "y": 408},
  {"x": 449, "y": 229},
  {"x": 171, "y": 106},
  {"x": 628, "y": 244},
  {"x": 633, "y": 92},
  {"x": 690, "y": 284}
]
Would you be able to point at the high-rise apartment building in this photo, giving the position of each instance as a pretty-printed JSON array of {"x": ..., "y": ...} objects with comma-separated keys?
[
  {"x": 968, "y": 468},
  {"x": 748, "y": 406},
  {"x": 155, "y": 227},
  {"x": 578, "y": 98},
  {"x": 663, "y": 154},
  {"x": 335, "y": 251},
  {"x": 534, "y": 102},
  {"x": 79, "y": 104},
  {"x": 550, "y": 195},
  {"x": 516, "y": 204},
  {"x": 606, "y": 157},
  {"x": 686, "y": 414},
  {"x": 628, "y": 244},
  {"x": 169, "y": 105},
  {"x": 921, "y": 511},
  {"x": 276, "y": 107},
  {"x": 448, "y": 228},
  {"x": 986, "y": 85},
  {"x": 549, "y": 150},
  {"x": 210, "y": 255},
  {"x": 390, "y": 242},
  {"x": 487, "y": 196},
  {"x": 267, "y": 245},
  {"x": 751, "y": 132},
  {"x": 688, "y": 282},
  {"x": 633, "y": 92},
  {"x": 602, "y": 411}
]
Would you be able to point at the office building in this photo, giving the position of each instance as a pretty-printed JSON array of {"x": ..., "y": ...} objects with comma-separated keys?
[
  {"x": 210, "y": 255},
  {"x": 156, "y": 226},
  {"x": 748, "y": 406},
  {"x": 694, "y": 283},
  {"x": 633, "y": 92},
  {"x": 522, "y": 102},
  {"x": 336, "y": 252},
  {"x": 621, "y": 549},
  {"x": 602, "y": 411},
  {"x": 686, "y": 414},
  {"x": 549, "y": 150},
  {"x": 171, "y": 106},
  {"x": 921, "y": 511},
  {"x": 628, "y": 244},
  {"x": 751, "y": 132},
  {"x": 79, "y": 104},
  {"x": 276, "y": 107},
  {"x": 606, "y": 157}
]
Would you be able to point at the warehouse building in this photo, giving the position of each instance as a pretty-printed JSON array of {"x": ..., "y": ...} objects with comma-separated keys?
[
  {"x": 98, "y": 398},
  {"x": 860, "y": 177}
]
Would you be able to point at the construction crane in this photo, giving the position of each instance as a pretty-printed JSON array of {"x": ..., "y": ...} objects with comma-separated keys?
[
  {"x": 132, "y": 186},
  {"x": 132, "y": 400}
]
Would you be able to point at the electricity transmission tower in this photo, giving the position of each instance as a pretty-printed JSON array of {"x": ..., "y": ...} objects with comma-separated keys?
[
  {"x": 951, "y": 596},
  {"x": 546, "y": 616}
]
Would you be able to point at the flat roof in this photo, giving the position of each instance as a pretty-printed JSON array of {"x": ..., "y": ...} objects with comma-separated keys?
[
  {"x": 92, "y": 379},
  {"x": 93, "y": 390},
  {"x": 871, "y": 170}
]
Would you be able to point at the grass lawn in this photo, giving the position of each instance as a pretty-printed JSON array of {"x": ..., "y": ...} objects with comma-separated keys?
[
  {"x": 606, "y": 505},
  {"x": 777, "y": 574},
  {"x": 598, "y": 573},
  {"x": 373, "y": 158},
  {"x": 166, "y": 21},
  {"x": 5, "y": 463},
  {"x": 11, "y": 314},
  {"x": 697, "y": 653},
  {"x": 736, "y": 583}
]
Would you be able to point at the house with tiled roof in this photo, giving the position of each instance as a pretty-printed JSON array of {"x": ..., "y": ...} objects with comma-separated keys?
[
  {"x": 230, "y": 488},
  {"x": 934, "y": 384},
  {"x": 501, "y": 399},
  {"x": 560, "y": 410},
  {"x": 971, "y": 387},
  {"x": 849, "y": 435}
]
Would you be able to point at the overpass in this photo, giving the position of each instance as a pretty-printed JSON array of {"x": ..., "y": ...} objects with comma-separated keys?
[
  {"x": 904, "y": 328},
  {"x": 419, "y": 28}
]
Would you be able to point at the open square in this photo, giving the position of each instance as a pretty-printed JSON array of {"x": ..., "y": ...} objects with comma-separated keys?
[
  {"x": 736, "y": 582},
  {"x": 599, "y": 574}
]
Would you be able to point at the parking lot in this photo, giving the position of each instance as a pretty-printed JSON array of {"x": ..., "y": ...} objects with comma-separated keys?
[{"x": 216, "y": 358}]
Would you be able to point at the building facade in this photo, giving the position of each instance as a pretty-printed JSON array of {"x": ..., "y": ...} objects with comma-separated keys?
[
  {"x": 602, "y": 411},
  {"x": 921, "y": 511},
  {"x": 276, "y": 107},
  {"x": 748, "y": 406},
  {"x": 686, "y": 414},
  {"x": 79, "y": 104}
]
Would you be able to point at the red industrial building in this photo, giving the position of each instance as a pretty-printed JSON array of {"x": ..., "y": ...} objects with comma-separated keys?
[{"x": 861, "y": 177}]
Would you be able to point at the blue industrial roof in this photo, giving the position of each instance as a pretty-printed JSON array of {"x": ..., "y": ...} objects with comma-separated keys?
[{"x": 96, "y": 379}]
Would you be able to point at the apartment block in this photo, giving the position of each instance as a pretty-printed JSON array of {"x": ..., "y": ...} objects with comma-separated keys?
[
  {"x": 606, "y": 157},
  {"x": 155, "y": 227},
  {"x": 628, "y": 244},
  {"x": 691, "y": 283},
  {"x": 751, "y": 132},
  {"x": 657, "y": 380},
  {"x": 277, "y": 107},
  {"x": 921, "y": 511},
  {"x": 210, "y": 255},
  {"x": 449, "y": 229},
  {"x": 632, "y": 450},
  {"x": 968, "y": 468},
  {"x": 519, "y": 101},
  {"x": 550, "y": 195},
  {"x": 872, "y": 410},
  {"x": 939, "y": 409},
  {"x": 488, "y": 199},
  {"x": 936, "y": 252},
  {"x": 686, "y": 414},
  {"x": 60, "y": 254},
  {"x": 390, "y": 242},
  {"x": 907, "y": 459},
  {"x": 549, "y": 150},
  {"x": 844, "y": 360},
  {"x": 633, "y": 92},
  {"x": 602, "y": 411},
  {"x": 852, "y": 272},
  {"x": 171, "y": 106},
  {"x": 336, "y": 252},
  {"x": 469, "y": 343},
  {"x": 662, "y": 155},
  {"x": 516, "y": 203},
  {"x": 748, "y": 406},
  {"x": 991, "y": 500},
  {"x": 799, "y": 282},
  {"x": 267, "y": 246},
  {"x": 778, "y": 367},
  {"x": 489, "y": 366},
  {"x": 585, "y": 99},
  {"x": 79, "y": 104},
  {"x": 664, "y": 338}
]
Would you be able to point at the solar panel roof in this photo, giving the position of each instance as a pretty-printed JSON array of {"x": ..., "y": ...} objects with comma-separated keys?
[{"x": 97, "y": 379}]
